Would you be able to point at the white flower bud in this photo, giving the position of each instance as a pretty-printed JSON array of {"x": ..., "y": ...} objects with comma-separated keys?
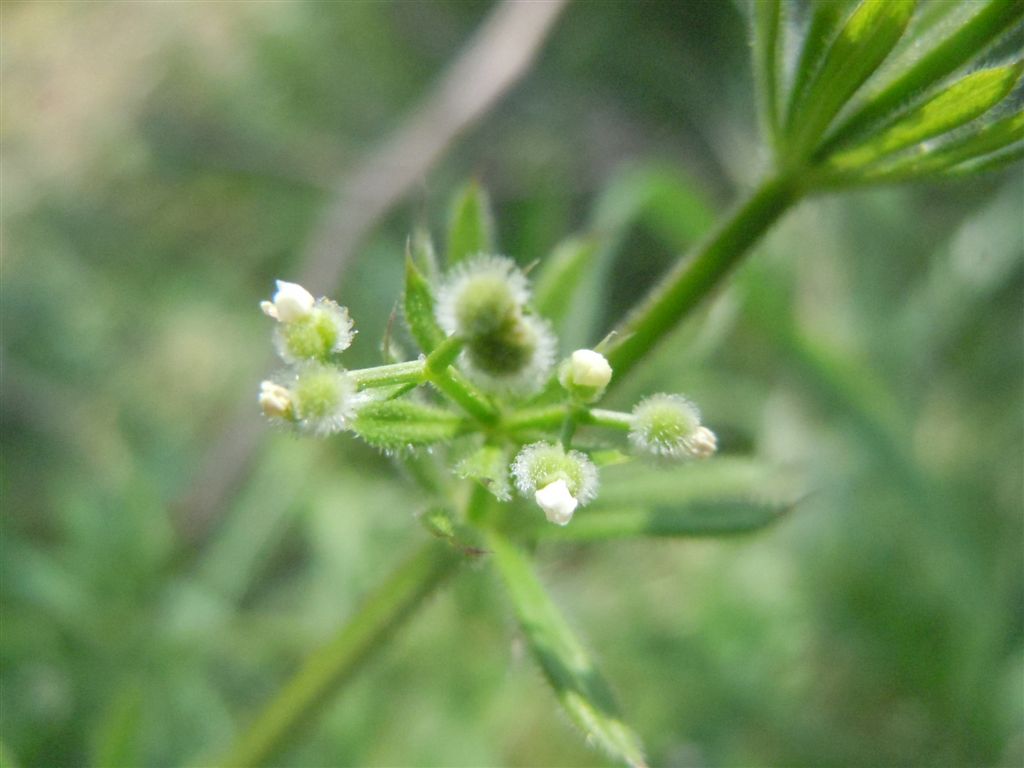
[
  {"x": 275, "y": 401},
  {"x": 556, "y": 501},
  {"x": 292, "y": 302},
  {"x": 590, "y": 368},
  {"x": 703, "y": 443},
  {"x": 585, "y": 374}
]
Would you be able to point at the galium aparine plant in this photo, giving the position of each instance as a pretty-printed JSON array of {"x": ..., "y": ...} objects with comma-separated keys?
[{"x": 488, "y": 395}]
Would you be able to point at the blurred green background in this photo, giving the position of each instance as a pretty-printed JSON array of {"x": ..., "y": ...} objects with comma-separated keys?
[{"x": 164, "y": 162}]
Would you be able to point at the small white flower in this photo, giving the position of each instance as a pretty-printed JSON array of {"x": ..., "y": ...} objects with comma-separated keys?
[
  {"x": 292, "y": 302},
  {"x": 556, "y": 501},
  {"x": 558, "y": 480},
  {"x": 275, "y": 401}
]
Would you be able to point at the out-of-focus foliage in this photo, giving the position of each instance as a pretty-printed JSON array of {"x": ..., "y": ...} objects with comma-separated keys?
[{"x": 163, "y": 162}]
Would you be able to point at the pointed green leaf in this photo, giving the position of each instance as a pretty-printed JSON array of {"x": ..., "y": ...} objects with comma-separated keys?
[
  {"x": 470, "y": 224},
  {"x": 767, "y": 22},
  {"x": 490, "y": 467},
  {"x": 421, "y": 248},
  {"x": 396, "y": 424},
  {"x": 965, "y": 42},
  {"x": 863, "y": 43},
  {"x": 997, "y": 161},
  {"x": 580, "y": 688},
  {"x": 968, "y": 98},
  {"x": 418, "y": 306},
  {"x": 559, "y": 276}
]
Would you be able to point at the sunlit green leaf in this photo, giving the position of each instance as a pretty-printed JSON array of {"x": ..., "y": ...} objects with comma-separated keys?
[
  {"x": 577, "y": 683},
  {"x": 993, "y": 18},
  {"x": 958, "y": 104},
  {"x": 826, "y": 16},
  {"x": 863, "y": 43},
  {"x": 470, "y": 224},
  {"x": 418, "y": 306},
  {"x": 400, "y": 423}
]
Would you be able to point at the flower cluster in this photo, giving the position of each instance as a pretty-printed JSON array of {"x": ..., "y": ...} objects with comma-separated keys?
[
  {"x": 486, "y": 353},
  {"x": 312, "y": 393}
]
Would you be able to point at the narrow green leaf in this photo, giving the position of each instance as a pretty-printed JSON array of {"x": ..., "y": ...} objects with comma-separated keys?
[
  {"x": 580, "y": 688},
  {"x": 985, "y": 142},
  {"x": 559, "y": 277},
  {"x": 968, "y": 98},
  {"x": 470, "y": 224},
  {"x": 418, "y": 306},
  {"x": 826, "y": 16},
  {"x": 396, "y": 424},
  {"x": 767, "y": 22},
  {"x": 997, "y": 161},
  {"x": 421, "y": 248},
  {"x": 695, "y": 518},
  {"x": 7, "y": 759},
  {"x": 864, "y": 42},
  {"x": 994, "y": 18}
]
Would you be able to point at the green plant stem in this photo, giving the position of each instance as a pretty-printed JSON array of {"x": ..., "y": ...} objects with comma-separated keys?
[
  {"x": 694, "y": 278},
  {"x": 439, "y": 372},
  {"x": 600, "y": 417},
  {"x": 329, "y": 667},
  {"x": 387, "y": 375}
]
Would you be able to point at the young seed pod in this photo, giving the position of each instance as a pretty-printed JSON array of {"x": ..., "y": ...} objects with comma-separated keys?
[
  {"x": 507, "y": 349},
  {"x": 669, "y": 426},
  {"x": 323, "y": 399},
  {"x": 558, "y": 480}
]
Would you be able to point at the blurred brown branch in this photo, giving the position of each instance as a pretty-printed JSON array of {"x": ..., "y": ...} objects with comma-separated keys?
[{"x": 493, "y": 60}]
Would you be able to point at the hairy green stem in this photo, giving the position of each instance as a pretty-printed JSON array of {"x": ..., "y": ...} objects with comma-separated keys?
[
  {"x": 694, "y": 278},
  {"x": 601, "y": 417},
  {"x": 329, "y": 667},
  {"x": 387, "y": 375}
]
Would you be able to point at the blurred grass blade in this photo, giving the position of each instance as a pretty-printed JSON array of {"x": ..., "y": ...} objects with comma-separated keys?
[
  {"x": 863, "y": 43},
  {"x": 968, "y": 98},
  {"x": 418, "y": 307},
  {"x": 698, "y": 518},
  {"x": 421, "y": 248},
  {"x": 580, "y": 688},
  {"x": 994, "y": 18},
  {"x": 394, "y": 424},
  {"x": 117, "y": 738},
  {"x": 767, "y": 22},
  {"x": 559, "y": 277},
  {"x": 470, "y": 224},
  {"x": 7, "y": 759},
  {"x": 328, "y": 668},
  {"x": 826, "y": 16}
]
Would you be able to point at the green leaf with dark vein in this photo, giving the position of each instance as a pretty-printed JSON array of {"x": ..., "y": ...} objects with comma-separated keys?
[{"x": 577, "y": 683}]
